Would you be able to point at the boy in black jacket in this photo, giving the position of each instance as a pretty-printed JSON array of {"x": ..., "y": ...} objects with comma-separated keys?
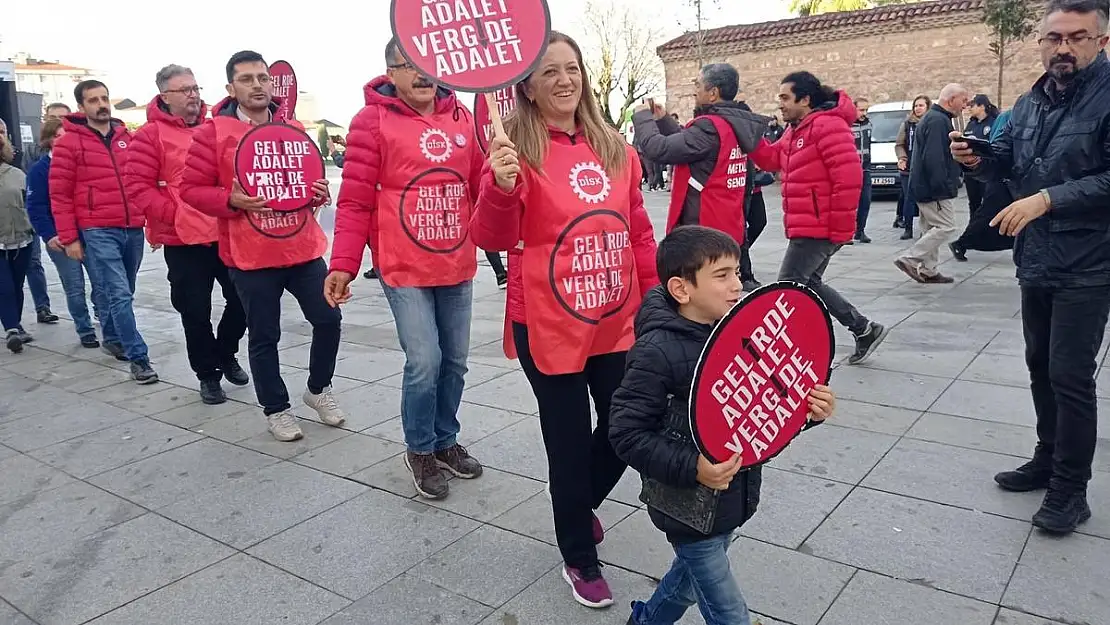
[{"x": 649, "y": 428}]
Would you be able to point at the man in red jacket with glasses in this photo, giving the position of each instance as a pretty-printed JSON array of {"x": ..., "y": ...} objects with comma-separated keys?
[
  {"x": 187, "y": 236},
  {"x": 94, "y": 217}
]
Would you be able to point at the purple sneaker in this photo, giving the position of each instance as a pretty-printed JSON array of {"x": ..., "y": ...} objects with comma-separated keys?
[{"x": 588, "y": 586}]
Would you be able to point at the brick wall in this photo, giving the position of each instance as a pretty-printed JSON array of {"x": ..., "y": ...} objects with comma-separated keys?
[{"x": 882, "y": 66}]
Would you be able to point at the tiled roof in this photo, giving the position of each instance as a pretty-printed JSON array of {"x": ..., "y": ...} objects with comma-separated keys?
[
  {"x": 48, "y": 67},
  {"x": 818, "y": 25}
]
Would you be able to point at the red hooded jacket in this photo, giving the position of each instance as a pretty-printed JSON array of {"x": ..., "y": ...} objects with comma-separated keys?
[
  {"x": 822, "y": 176},
  {"x": 355, "y": 218},
  {"x": 143, "y": 171},
  {"x": 86, "y": 180},
  {"x": 496, "y": 226}
]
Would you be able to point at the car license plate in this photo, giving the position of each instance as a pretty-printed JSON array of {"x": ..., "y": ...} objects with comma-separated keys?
[{"x": 885, "y": 182}]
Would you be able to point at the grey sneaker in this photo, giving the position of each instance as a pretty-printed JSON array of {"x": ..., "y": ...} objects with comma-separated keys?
[
  {"x": 325, "y": 406},
  {"x": 867, "y": 342},
  {"x": 459, "y": 462},
  {"x": 426, "y": 476},
  {"x": 283, "y": 425},
  {"x": 142, "y": 372}
]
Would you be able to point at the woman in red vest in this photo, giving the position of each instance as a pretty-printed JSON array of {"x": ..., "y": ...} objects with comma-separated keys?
[{"x": 562, "y": 195}]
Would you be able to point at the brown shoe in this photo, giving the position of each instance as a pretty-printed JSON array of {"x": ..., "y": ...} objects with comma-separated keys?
[
  {"x": 458, "y": 462},
  {"x": 426, "y": 476},
  {"x": 907, "y": 268},
  {"x": 938, "y": 279}
]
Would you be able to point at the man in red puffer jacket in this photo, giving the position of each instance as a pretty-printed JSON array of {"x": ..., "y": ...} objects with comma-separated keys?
[
  {"x": 94, "y": 217},
  {"x": 822, "y": 178},
  {"x": 187, "y": 236}
]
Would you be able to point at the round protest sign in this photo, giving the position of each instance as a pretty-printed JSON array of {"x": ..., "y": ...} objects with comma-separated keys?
[
  {"x": 751, "y": 385},
  {"x": 431, "y": 210},
  {"x": 283, "y": 82},
  {"x": 280, "y": 163},
  {"x": 505, "y": 99},
  {"x": 472, "y": 45},
  {"x": 590, "y": 271}
]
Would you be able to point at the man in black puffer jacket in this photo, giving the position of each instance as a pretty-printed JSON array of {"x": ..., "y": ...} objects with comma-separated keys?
[
  {"x": 1055, "y": 150},
  {"x": 650, "y": 429}
]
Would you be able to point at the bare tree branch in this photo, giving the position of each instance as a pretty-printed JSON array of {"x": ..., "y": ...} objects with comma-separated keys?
[{"x": 619, "y": 47}]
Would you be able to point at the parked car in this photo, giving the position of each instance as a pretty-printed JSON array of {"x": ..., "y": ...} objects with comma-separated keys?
[{"x": 885, "y": 121}]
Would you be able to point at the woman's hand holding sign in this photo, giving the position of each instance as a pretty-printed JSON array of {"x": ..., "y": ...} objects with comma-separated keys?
[
  {"x": 504, "y": 162},
  {"x": 320, "y": 190},
  {"x": 717, "y": 476},
  {"x": 239, "y": 200},
  {"x": 822, "y": 403}
]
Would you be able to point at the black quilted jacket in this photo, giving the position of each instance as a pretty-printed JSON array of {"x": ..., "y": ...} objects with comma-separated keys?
[{"x": 660, "y": 370}]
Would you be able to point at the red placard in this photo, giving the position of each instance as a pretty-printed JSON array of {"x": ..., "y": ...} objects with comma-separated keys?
[
  {"x": 283, "y": 81},
  {"x": 472, "y": 45},
  {"x": 279, "y": 162},
  {"x": 483, "y": 123},
  {"x": 755, "y": 373}
]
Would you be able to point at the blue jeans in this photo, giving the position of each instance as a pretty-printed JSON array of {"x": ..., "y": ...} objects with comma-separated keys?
[
  {"x": 36, "y": 277},
  {"x": 433, "y": 325},
  {"x": 13, "y": 271},
  {"x": 909, "y": 206},
  {"x": 73, "y": 284},
  {"x": 115, "y": 254},
  {"x": 700, "y": 574},
  {"x": 864, "y": 208}
]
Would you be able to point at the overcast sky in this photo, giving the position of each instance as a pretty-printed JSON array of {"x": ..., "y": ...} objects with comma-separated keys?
[{"x": 334, "y": 51}]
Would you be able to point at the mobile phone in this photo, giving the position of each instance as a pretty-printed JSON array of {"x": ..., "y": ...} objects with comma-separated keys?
[{"x": 979, "y": 147}]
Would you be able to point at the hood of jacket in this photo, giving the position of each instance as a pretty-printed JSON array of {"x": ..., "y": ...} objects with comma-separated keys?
[
  {"x": 157, "y": 111},
  {"x": 78, "y": 122},
  {"x": 844, "y": 108},
  {"x": 382, "y": 92},
  {"x": 659, "y": 311}
]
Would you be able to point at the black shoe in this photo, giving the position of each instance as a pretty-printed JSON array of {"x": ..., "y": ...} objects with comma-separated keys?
[
  {"x": 862, "y": 237},
  {"x": 1062, "y": 512},
  {"x": 211, "y": 392},
  {"x": 45, "y": 316},
  {"x": 502, "y": 281},
  {"x": 867, "y": 342},
  {"x": 907, "y": 235},
  {"x": 750, "y": 284},
  {"x": 958, "y": 252},
  {"x": 1030, "y": 476},
  {"x": 15, "y": 343},
  {"x": 114, "y": 350},
  {"x": 89, "y": 341},
  {"x": 234, "y": 373},
  {"x": 372, "y": 274},
  {"x": 142, "y": 373},
  {"x": 24, "y": 336},
  {"x": 899, "y": 223}
]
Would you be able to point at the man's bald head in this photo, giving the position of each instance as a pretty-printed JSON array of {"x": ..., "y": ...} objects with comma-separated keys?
[{"x": 953, "y": 98}]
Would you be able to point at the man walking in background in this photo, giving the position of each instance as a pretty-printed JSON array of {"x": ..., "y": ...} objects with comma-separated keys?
[
  {"x": 935, "y": 183},
  {"x": 94, "y": 217},
  {"x": 861, "y": 130},
  {"x": 188, "y": 237}
]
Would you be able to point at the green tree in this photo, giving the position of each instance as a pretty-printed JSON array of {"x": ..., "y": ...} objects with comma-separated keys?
[
  {"x": 812, "y": 7},
  {"x": 1010, "y": 22}
]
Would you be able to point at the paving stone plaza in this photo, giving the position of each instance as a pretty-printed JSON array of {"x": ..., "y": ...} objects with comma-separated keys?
[{"x": 138, "y": 505}]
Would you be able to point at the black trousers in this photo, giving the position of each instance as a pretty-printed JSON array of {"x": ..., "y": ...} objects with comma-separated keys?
[
  {"x": 582, "y": 466},
  {"x": 1063, "y": 333},
  {"x": 755, "y": 219},
  {"x": 261, "y": 291},
  {"x": 979, "y": 234},
  {"x": 193, "y": 270},
  {"x": 495, "y": 263},
  {"x": 975, "y": 192}
]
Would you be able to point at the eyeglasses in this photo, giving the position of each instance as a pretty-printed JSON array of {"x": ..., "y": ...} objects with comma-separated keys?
[
  {"x": 1052, "y": 42},
  {"x": 184, "y": 90},
  {"x": 247, "y": 80},
  {"x": 408, "y": 66}
]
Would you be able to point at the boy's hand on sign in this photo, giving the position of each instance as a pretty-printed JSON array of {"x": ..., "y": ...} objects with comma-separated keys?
[
  {"x": 504, "y": 163},
  {"x": 241, "y": 201},
  {"x": 822, "y": 403},
  {"x": 337, "y": 288},
  {"x": 320, "y": 189},
  {"x": 717, "y": 476}
]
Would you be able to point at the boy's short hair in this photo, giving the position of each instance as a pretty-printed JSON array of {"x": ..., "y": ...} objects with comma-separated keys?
[{"x": 689, "y": 248}]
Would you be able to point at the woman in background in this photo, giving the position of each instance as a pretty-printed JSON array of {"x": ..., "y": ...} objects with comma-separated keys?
[
  {"x": 16, "y": 236},
  {"x": 903, "y": 147}
]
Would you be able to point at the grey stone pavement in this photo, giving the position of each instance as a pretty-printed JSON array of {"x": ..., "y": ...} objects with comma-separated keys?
[{"x": 129, "y": 505}]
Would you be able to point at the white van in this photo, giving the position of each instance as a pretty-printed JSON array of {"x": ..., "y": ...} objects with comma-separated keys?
[{"x": 886, "y": 119}]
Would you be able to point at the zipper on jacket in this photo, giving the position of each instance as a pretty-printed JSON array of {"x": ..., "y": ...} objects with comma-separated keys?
[
  {"x": 90, "y": 202},
  {"x": 816, "y": 211},
  {"x": 123, "y": 194}
]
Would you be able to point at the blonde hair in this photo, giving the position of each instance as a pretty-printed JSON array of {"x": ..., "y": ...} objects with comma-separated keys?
[
  {"x": 527, "y": 128},
  {"x": 7, "y": 152}
]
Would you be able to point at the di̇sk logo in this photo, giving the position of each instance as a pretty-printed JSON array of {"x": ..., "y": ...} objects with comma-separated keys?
[
  {"x": 590, "y": 182},
  {"x": 435, "y": 146}
]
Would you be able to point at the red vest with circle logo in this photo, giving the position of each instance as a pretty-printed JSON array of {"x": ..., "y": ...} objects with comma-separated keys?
[
  {"x": 268, "y": 239},
  {"x": 581, "y": 291},
  {"x": 191, "y": 226},
  {"x": 424, "y": 206},
  {"x": 722, "y": 196}
]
